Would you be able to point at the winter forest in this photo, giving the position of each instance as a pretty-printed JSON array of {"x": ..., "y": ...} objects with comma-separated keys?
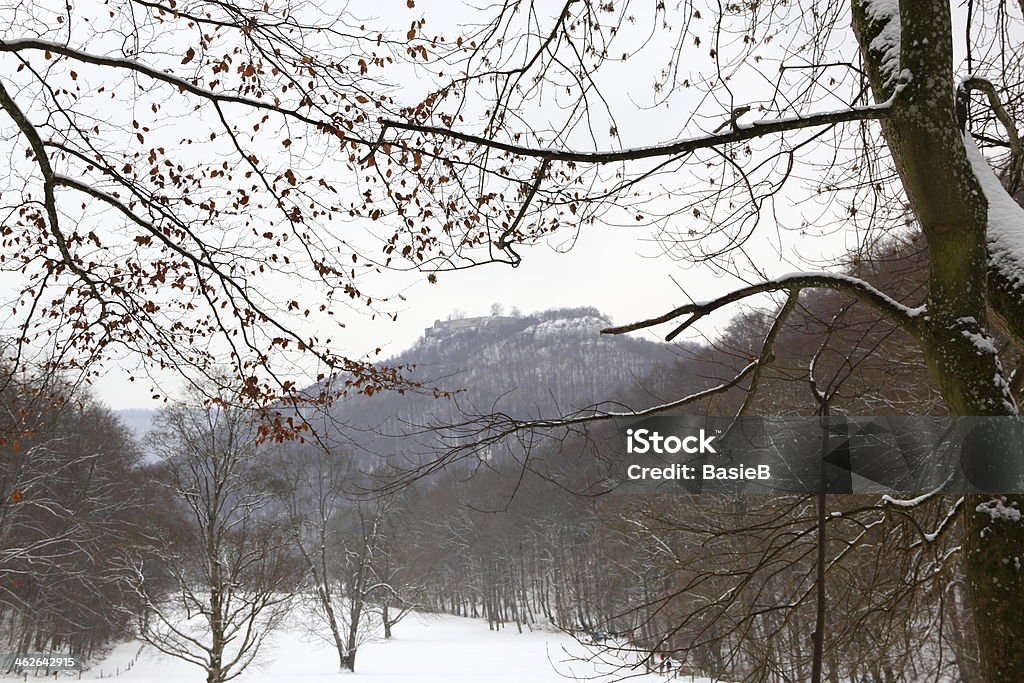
[{"x": 321, "y": 322}]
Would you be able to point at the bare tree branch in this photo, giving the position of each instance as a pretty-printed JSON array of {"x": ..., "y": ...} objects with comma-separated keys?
[
  {"x": 738, "y": 133},
  {"x": 859, "y": 289}
]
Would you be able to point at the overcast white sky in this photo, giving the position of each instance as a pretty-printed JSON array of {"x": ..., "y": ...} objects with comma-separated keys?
[{"x": 607, "y": 268}]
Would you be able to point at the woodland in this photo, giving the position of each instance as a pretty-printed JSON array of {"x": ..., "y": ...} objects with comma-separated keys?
[{"x": 213, "y": 189}]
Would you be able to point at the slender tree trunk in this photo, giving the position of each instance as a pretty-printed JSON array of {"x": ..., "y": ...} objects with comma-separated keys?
[
  {"x": 214, "y": 672},
  {"x": 325, "y": 595},
  {"x": 964, "y": 647},
  {"x": 819, "y": 611},
  {"x": 348, "y": 661},
  {"x": 385, "y": 616},
  {"x": 355, "y": 616}
]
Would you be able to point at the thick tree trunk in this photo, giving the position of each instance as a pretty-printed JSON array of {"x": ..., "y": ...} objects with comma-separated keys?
[
  {"x": 995, "y": 558},
  {"x": 348, "y": 661},
  {"x": 928, "y": 149}
]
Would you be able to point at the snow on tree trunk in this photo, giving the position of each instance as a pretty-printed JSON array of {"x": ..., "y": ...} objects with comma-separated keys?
[{"x": 946, "y": 195}]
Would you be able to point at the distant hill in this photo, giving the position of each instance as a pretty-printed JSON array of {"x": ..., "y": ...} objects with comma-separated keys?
[
  {"x": 544, "y": 364},
  {"x": 138, "y": 420}
]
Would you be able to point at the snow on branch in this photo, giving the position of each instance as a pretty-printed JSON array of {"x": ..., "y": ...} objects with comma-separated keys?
[
  {"x": 861, "y": 290},
  {"x": 1005, "y": 231},
  {"x": 888, "y": 41},
  {"x": 1016, "y": 170}
]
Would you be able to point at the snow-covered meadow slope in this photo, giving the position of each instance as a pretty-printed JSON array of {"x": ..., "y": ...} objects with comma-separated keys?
[{"x": 425, "y": 649}]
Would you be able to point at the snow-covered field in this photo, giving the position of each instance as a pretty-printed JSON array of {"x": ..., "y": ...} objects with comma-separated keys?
[{"x": 425, "y": 649}]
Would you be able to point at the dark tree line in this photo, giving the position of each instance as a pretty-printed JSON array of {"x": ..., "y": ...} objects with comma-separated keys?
[{"x": 75, "y": 502}]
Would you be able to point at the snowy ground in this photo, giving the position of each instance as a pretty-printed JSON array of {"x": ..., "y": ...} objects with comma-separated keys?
[{"x": 425, "y": 649}]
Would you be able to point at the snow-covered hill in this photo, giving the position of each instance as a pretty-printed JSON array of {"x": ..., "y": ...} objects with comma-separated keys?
[{"x": 547, "y": 363}]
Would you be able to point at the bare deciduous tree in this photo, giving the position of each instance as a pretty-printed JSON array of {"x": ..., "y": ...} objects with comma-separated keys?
[{"x": 231, "y": 570}]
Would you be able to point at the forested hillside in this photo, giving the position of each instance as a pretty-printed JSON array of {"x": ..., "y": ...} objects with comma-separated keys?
[{"x": 525, "y": 366}]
